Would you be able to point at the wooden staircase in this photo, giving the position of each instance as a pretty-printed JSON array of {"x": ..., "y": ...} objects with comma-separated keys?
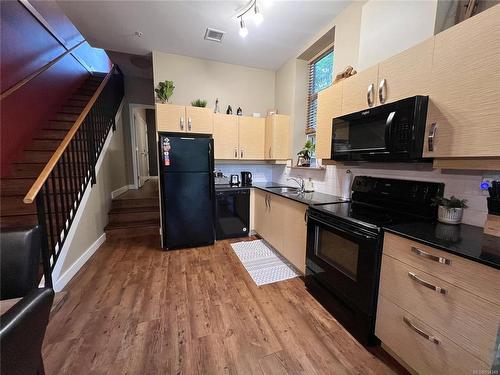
[
  {"x": 14, "y": 214},
  {"x": 135, "y": 213}
]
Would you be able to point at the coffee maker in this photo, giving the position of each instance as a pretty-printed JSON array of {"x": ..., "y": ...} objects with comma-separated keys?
[{"x": 246, "y": 179}]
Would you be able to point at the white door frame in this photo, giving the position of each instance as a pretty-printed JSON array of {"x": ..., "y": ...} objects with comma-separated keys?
[{"x": 133, "y": 137}]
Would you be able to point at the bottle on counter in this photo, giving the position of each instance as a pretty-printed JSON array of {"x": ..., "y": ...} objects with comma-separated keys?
[{"x": 308, "y": 185}]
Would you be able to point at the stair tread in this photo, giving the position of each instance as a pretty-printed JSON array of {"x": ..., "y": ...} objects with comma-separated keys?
[
  {"x": 134, "y": 224},
  {"x": 123, "y": 210}
]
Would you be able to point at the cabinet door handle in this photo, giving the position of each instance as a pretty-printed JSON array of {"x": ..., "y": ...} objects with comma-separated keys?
[
  {"x": 189, "y": 124},
  {"x": 369, "y": 94},
  {"x": 429, "y": 337},
  {"x": 417, "y": 279},
  {"x": 382, "y": 91},
  {"x": 269, "y": 153},
  {"x": 305, "y": 216},
  {"x": 181, "y": 123},
  {"x": 432, "y": 134},
  {"x": 267, "y": 203},
  {"x": 241, "y": 153},
  {"x": 426, "y": 255}
]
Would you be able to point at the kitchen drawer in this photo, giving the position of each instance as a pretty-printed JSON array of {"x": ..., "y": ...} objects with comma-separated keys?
[
  {"x": 420, "y": 353},
  {"x": 474, "y": 277},
  {"x": 469, "y": 321}
]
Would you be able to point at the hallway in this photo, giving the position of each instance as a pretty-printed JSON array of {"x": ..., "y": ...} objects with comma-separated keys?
[{"x": 138, "y": 310}]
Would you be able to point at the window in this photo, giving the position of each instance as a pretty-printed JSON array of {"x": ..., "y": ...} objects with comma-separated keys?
[{"x": 320, "y": 77}]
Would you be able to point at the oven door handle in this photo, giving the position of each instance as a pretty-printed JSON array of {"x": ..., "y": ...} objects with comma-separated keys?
[
  {"x": 341, "y": 229},
  {"x": 388, "y": 130}
]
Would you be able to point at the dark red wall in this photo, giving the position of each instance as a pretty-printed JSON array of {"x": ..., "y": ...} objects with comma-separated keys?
[{"x": 25, "y": 47}]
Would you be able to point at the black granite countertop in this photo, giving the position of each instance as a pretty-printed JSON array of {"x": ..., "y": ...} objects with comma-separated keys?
[
  {"x": 312, "y": 198},
  {"x": 463, "y": 240},
  {"x": 226, "y": 187}
]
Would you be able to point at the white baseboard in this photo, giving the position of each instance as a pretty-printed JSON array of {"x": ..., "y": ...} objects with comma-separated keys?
[
  {"x": 65, "y": 278},
  {"x": 119, "y": 191}
]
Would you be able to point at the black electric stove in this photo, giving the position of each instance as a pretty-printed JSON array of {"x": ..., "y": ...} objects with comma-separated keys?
[{"x": 344, "y": 245}]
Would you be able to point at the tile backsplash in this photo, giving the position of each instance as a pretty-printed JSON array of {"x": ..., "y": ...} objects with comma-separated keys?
[
  {"x": 463, "y": 184},
  {"x": 260, "y": 172}
]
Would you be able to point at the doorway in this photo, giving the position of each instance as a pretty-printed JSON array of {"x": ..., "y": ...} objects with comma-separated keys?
[{"x": 143, "y": 142}]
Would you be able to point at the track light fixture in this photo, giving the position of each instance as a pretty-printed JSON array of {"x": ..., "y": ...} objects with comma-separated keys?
[
  {"x": 243, "y": 28},
  {"x": 257, "y": 16}
]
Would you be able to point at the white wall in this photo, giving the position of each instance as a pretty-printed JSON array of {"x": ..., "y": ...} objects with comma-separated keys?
[
  {"x": 249, "y": 88},
  {"x": 89, "y": 230},
  {"x": 390, "y": 27}
]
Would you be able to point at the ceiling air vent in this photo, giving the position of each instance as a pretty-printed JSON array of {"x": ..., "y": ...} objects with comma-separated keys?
[{"x": 214, "y": 35}]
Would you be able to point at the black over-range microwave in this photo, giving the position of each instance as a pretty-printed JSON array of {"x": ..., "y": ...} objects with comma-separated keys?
[{"x": 390, "y": 132}]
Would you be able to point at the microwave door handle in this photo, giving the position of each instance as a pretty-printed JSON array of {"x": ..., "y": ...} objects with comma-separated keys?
[{"x": 388, "y": 129}]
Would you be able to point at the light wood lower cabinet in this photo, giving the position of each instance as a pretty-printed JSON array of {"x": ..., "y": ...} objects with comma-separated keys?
[
  {"x": 437, "y": 312},
  {"x": 399, "y": 331},
  {"x": 295, "y": 233},
  {"x": 329, "y": 106},
  {"x": 465, "y": 89},
  {"x": 468, "y": 320},
  {"x": 281, "y": 222}
]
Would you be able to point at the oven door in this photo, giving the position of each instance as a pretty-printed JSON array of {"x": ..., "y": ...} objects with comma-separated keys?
[{"x": 345, "y": 260}]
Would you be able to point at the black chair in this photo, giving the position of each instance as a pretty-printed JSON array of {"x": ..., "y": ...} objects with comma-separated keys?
[
  {"x": 19, "y": 262},
  {"x": 22, "y": 328}
]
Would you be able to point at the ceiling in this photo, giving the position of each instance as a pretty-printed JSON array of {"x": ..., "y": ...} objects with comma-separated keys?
[{"x": 178, "y": 27}]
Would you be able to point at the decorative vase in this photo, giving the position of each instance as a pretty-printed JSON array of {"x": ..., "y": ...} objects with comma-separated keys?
[{"x": 450, "y": 215}]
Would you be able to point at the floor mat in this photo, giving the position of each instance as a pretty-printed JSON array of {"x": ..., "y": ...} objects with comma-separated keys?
[{"x": 262, "y": 263}]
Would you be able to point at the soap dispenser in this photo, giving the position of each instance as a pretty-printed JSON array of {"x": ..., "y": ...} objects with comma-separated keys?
[{"x": 308, "y": 185}]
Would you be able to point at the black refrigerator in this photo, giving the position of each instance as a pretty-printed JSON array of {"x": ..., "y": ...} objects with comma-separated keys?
[{"x": 187, "y": 190}]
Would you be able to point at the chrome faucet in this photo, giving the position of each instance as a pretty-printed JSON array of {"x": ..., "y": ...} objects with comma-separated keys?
[{"x": 299, "y": 181}]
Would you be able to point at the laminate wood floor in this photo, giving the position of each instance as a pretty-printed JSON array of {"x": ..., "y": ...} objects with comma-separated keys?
[{"x": 135, "y": 309}]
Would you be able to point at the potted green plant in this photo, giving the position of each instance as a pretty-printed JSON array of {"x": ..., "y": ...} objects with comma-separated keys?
[
  {"x": 450, "y": 210},
  {"x": 199, "y": 103},
  {"x": 305, "y": 154},
  {"x": 165, "y": 90}
]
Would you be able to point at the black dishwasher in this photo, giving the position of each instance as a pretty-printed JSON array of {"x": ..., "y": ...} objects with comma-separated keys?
[{"x": 233, "y": 212}]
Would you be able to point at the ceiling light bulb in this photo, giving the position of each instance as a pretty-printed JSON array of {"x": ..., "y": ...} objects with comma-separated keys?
[
  {"x": 243, "y": 28},
  {"x": 258, "y": 17}
]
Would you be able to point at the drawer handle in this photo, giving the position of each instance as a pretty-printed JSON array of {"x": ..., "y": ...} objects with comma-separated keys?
[
  {"x": 417, "y": 279},
  {"x": 430, "y": 256},
  {"x": 420, "y": 332}
]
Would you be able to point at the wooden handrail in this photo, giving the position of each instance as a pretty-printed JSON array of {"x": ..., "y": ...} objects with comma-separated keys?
[
  {"x": 44, "y": 174},
  {"x": 35, "y": 74}
]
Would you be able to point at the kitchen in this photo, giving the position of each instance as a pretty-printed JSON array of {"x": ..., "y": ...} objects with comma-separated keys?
[{"x": 334, "y": 212}]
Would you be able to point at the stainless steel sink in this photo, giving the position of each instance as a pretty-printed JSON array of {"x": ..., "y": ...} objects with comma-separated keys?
[{"x": 283, "y": 190}]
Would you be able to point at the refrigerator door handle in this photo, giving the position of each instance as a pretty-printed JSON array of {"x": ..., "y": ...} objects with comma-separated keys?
[{"x": 211, "y": 173}]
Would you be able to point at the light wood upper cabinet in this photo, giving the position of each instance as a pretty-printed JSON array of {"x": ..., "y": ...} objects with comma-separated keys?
[
  {"x": 405, "y": 74},
  {"x": 225, "y": 136},
  {"x": 329, "y": 106},
  {"x": 360, "y": 90},
  {"x": 170, "y": 118},
  {"x": 251, "y": 137},
  {"x": 277, "y": 138},
  {"x": 465, "y": 89},
  {"x": 199, "y": 120},
  {"x": 177, "y": 118}
]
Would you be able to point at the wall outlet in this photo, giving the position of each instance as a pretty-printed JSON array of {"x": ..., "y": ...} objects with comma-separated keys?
[{"x": 486, "y": 181}]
